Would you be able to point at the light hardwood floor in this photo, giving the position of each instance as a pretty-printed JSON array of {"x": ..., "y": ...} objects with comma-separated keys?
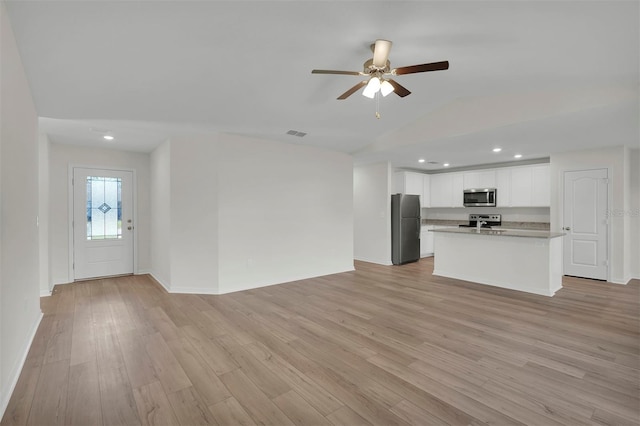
[{"x": 381, "y": 345}]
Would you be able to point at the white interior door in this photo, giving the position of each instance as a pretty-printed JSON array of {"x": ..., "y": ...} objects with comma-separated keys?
[
  {"x": 585, "y": 222},
  {"x": 102, "y": 223}
]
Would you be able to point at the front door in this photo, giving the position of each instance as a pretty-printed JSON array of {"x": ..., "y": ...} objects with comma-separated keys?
[
  {"x": 102, "y": 223},
  {"x": 585, "y": 222}
]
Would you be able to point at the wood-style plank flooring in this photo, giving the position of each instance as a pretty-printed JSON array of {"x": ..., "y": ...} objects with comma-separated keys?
[{"x": 381, "y": 345}]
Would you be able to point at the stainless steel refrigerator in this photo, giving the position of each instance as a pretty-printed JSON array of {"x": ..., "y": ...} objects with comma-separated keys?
[{"x": 405, "y": 228}]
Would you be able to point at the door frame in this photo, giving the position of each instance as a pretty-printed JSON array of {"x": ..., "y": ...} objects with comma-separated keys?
[
  {"x": 608, "y": 218},
  {"x": 70, "y": 199}
]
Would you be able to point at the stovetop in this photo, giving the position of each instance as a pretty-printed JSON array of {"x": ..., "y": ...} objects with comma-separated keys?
[{"x": 490, "y": 219}]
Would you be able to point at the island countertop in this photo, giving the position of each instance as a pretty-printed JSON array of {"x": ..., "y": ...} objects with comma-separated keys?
[{"x": 501, "y": 232}]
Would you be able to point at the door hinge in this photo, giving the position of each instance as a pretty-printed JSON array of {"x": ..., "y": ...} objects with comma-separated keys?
[{"x": 73, "y": 266}]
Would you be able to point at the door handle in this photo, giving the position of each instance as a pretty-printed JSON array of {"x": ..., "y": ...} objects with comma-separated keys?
[
  {"x": 129, "y": 228},
  {"x": 566, "y": 228}
]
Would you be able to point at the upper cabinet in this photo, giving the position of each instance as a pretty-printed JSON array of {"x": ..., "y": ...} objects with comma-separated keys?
[
  {"x": 409, "y": 183},
  {"x": 524, "y": 186},
  {"x": 541, "y": 186},
  {"x": 503, "y": 187},
  {"x": 519, "y": 186},
  {"x": 479, "y": 179},
  {"x": 446, "y": 190},
  {"x": 413, "y": 184},
  {"x": 425, "y": 201}
]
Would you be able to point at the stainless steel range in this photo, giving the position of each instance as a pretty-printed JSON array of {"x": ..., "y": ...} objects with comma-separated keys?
[{"x": 485, "y": 220}]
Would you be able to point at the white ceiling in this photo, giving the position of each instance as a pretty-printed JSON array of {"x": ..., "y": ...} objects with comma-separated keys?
[{"x": 533, "y": 77}]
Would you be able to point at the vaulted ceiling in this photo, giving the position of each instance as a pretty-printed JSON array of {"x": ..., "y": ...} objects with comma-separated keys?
[{"x": 532, "y": 77}]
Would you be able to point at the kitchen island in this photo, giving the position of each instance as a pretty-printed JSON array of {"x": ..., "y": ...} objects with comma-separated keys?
[{"x": 523, "y": 260}]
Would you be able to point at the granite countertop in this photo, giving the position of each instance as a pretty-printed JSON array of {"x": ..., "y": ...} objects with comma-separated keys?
[
  {"x": 528, "y": 226},
  {"x": 501, "y": 232}
]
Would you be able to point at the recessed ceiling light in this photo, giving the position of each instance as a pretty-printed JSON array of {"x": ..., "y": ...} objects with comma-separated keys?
[
  {"x": 517, "y": 156},
  {"x": 497, "y": 149},
  {"x": 421, "y": 160},
  {"x": 446, "y": 164},
  {"x": 108, "y": 137}
]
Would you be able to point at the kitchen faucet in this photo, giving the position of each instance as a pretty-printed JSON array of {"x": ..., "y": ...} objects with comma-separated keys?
[{"x": 479, "y": 224}]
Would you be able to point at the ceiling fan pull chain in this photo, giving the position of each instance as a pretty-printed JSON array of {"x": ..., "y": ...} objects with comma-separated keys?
[{"x": 378, "y": 105}]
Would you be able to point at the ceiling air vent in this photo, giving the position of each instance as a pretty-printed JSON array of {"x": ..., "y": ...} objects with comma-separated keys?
[
  {"x": 296, "y": 133},
  {"x": 432, "y": 162}
]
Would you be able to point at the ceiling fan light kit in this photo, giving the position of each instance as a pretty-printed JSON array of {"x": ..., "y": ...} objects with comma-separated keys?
[
  {"x": 372, "y": 88},
  {"x": 386, "y": 88},
  {"x": 378, "y": 69}
]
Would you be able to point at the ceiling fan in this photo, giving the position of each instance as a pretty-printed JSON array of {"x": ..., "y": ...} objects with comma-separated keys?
[{"x": 378, "y": 69}]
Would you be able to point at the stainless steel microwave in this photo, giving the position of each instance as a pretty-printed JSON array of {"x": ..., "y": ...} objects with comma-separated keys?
[{"x": 479, "y": 197}]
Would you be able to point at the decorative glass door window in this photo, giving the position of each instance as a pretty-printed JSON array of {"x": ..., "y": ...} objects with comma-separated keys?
[{"x": 104, "y": 208}]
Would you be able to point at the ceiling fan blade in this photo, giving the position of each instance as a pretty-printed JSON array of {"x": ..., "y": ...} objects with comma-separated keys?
[
  {"x": 381, "y": 53},
  {"x": 335, "y": 72},
  {"x": 399, "y": 89},
  {"x": 433, "y": 66},
  {"x": 353, "y": 90}
]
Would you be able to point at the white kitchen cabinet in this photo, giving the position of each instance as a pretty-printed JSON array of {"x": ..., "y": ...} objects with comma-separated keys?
[
  {"x": 441, "y": 190},
  {"x": 426, "y": 241},
  {"x": 409, "y": 183},
  {"x": 541, "y": 186},
  {"x": 427, "y": 247},
  {"x": 503, "y": 187},
  {"x": 457, "y": 183},
  {"x": 425, "y": 201},
  {"x": 446, "y": 190},
  {"x": 525, "y": 186},
  {"x": 521, "y": 186},
  {"x": 479, "y": 179}
]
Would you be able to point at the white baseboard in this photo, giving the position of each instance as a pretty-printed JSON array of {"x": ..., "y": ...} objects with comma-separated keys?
[
  {"x": 143, "y": 272},
  {"x": 14, "y": 375},
  {"x": 385, "y": 262},
  {"x": 193, "y": 290},
  {"x": 621, "y": 281},
  {"x": 159, "y": 281},
  {"x": 283, "y": 280},
  {"x": 199, "y": 290},
  {"x": 45, "y": 293}
]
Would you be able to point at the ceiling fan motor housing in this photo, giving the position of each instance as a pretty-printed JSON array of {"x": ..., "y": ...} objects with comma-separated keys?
[{"x": 369, "y": 68}]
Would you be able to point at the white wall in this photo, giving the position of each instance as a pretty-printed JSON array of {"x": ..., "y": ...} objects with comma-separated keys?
[
  {"x": 285, "y": 212},
  {"x": 19, "y": 264},
  {"x": 371, "y": 210},
  {"x": 194, "y": 215},
  {"x": 626, "y": 215},
  {"x": 634, "y": 213},
  {"x": 61, "y": 156},
  {"x": 614, "y": 159},
  {"x": 46, "y": 285},
  {"x": 160, "y": 199},
  {"x": 246, "y": 213}
]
